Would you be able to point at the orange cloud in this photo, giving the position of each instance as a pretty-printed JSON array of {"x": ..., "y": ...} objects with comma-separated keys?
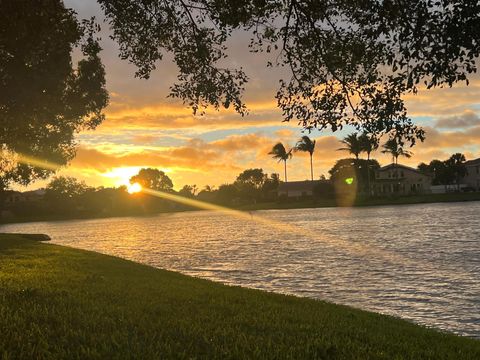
[
  {"x": 216, "y": 162},
  {"x": 443, "y": 101},
  {"x": 176, "y": 116}
]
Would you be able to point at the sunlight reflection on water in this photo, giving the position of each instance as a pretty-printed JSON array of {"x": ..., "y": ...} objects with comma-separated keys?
[{"x": 438, "y": 283}]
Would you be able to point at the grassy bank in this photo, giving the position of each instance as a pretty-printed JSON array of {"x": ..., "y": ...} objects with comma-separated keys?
[{"x": 58, "y": 302}]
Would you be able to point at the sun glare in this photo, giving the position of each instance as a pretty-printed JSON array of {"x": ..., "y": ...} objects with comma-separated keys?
[
  {"x": 121, "y": 175},
  {"x": 134, "y": 188}
]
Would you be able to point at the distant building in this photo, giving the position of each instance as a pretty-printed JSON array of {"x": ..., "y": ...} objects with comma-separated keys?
[
  {"x": 396, "y": 179},
  {"x": 472, "y": 179},
  {"x": 14, "y": 197},
  {"x": 297, "y": 189}
]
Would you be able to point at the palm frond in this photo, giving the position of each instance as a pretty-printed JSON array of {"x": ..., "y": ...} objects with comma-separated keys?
[
  {"x": 305, "y": 144},
  {"x": 279, "y": 152}
]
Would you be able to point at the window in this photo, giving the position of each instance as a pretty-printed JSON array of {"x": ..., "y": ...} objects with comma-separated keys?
[
  {"x": 401, "y": 174},
  {"x": 478, "y": 169}
]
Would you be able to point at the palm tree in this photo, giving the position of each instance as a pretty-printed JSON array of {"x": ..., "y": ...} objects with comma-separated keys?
[
  {"x": 393, "y": 148},
  {"x": 456, "y": 165},
  {"x": 208, "y": 188},
  {"x": 352, "y": 144},
  {"x": 281, "y": 154},
  {"x": 369, "y": 144},
  {"x": 307, "y": 145}
]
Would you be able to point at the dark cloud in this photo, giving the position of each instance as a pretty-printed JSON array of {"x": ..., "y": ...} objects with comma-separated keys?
[{"x": 468, "y": 119}]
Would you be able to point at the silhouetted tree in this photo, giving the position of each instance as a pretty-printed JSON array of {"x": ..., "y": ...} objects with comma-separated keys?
[
  {"x": 253, "y": 177},
  {"x": 393, "y": 147},
  {"x": 355, "y": 170},
  {"x": 65, "y": 187},
  {"x": 306, "y": 144},
  {"x": 456, "y": 165},
  {"x": 352, "y": 144},
  {"x": 446, "y": 172},
  {"x": 44, "y": 99},
  {"x": 270, "y": 185},
  {"x": 249, "y": 183},
  {"x": 188, "y": 191},
  {"x": 63, "y": 192},
  {"x": 227, "y": 194},
  {"x": 208, "y": 188},
  {"x": 439, "y": 171},
  {"x": 335, "y": 52},
  {"x": 281, "y": 154},
  {"x": 208, "y": 193},
  {"x": 368, "y": 144},
  {"x": 425, "y": 169},
  {"x": 153, "y": 179}
]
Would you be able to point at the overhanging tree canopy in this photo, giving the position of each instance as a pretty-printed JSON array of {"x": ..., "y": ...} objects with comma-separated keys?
[
  {"x": 44, "y": 98},
  {"x": 350, "y": 61}
]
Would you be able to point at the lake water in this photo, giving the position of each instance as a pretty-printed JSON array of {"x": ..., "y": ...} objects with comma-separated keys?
[{"x": 418, "y": 262}]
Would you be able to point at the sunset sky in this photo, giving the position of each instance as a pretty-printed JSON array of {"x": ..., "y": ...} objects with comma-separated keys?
[{"x": 145, "y": 129}]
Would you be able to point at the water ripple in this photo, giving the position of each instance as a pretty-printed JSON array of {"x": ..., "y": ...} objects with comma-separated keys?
[{"x": 418, "y": 262}]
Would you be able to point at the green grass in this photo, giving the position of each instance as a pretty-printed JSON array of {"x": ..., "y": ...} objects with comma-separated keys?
[{"x": 57, "y": 302}]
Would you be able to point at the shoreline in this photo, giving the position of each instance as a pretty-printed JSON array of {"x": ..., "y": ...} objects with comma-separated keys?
[
  {"x": 300, "y": 204},
  {"x": 56, "y": 298}
]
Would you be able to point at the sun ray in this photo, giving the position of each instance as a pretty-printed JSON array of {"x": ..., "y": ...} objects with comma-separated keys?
[
  {"x": 362, "y": 249},
  {"x": 30, "y": 160}
]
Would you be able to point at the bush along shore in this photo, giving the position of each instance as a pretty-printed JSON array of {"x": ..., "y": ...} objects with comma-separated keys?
[
  {"x": 58, "y": 302},
  {"x": 300, "y": 203}
]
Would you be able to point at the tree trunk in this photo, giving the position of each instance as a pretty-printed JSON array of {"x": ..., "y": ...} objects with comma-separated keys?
[
  {"x": 368, "y": 175},
  {"x": 395, "y": 172},
  {"x": 285, "y": 164},
  {"x": 1, "y": 204},
  {"x": 311, "y": 166}
]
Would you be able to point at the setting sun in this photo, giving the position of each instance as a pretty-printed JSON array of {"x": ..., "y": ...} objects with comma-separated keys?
[
  {"x": 240, "y": 179},
  {"x": 134, "y": 188},
  {"x": 121, "y": 175}
]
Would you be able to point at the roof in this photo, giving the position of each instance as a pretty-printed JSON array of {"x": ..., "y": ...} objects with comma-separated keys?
[
  {"x": 307, "y": 185},
  {"x": 38, "y": 192},
  {"x": 399, "y": 166},
  {"x": 11, "y": 192},
  {"x": 472, "y": 162}
]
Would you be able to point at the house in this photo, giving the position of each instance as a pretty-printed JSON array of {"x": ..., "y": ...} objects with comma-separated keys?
[
  {"x": 297, "y": 189},
  {"x": 472, "y": 179},
  {"x": 396, "y": 179},
  {"x": 14, "y": 197}
]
